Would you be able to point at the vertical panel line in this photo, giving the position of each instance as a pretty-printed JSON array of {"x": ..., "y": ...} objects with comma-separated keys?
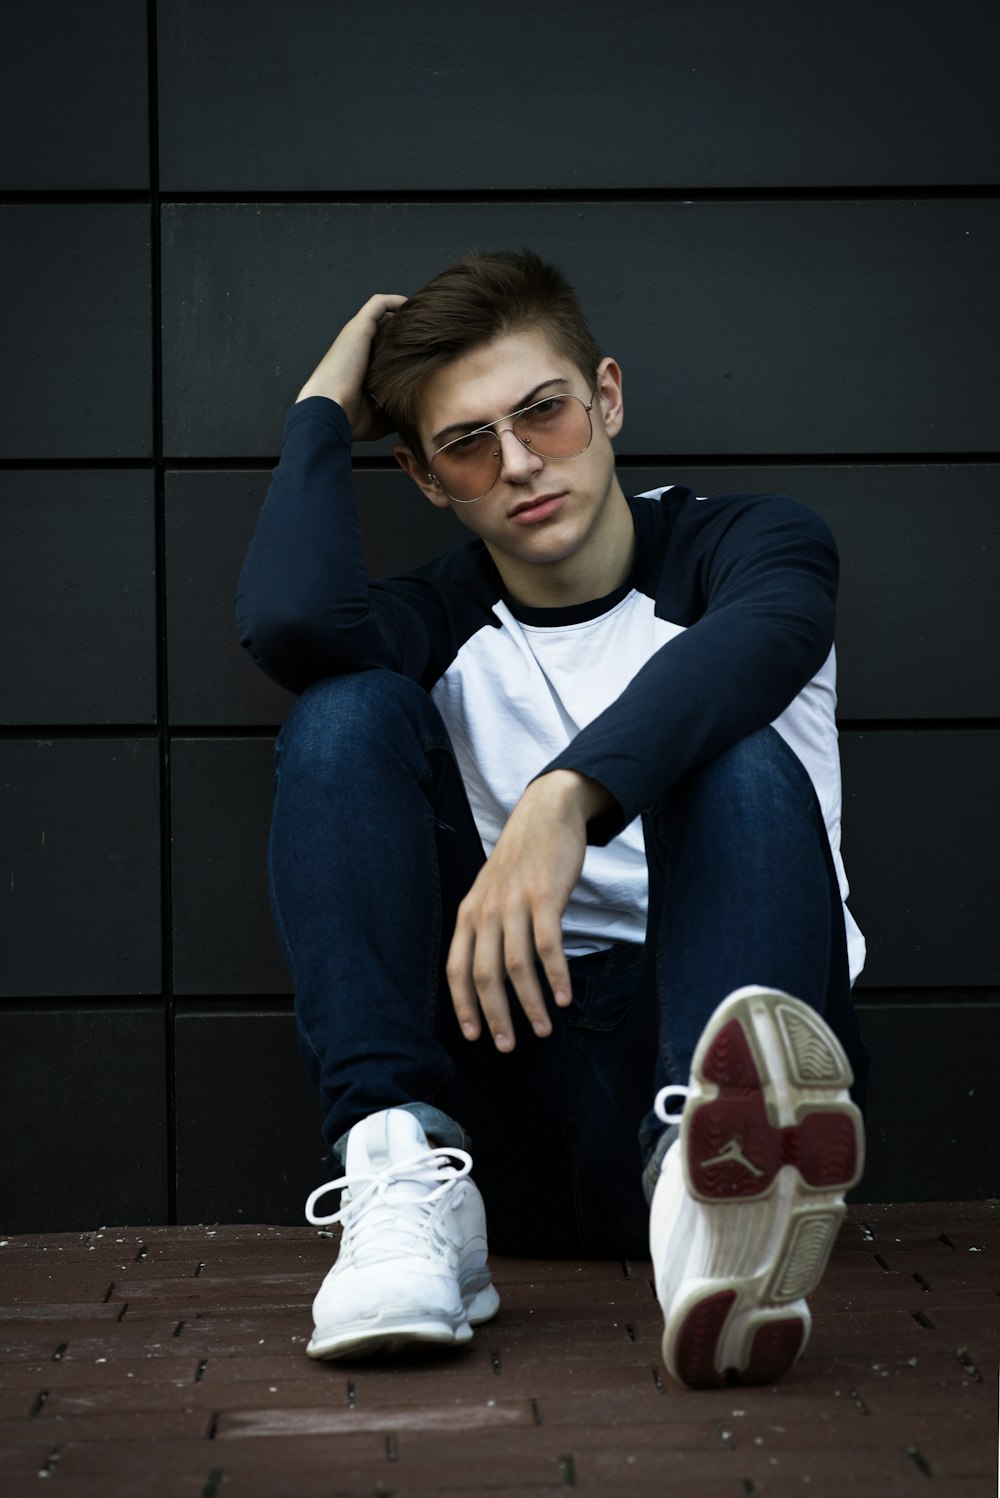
[{"x": 162, "y": 696}]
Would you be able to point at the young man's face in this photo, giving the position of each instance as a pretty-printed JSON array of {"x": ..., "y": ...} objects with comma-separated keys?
[{"x": 543, "y": 520}]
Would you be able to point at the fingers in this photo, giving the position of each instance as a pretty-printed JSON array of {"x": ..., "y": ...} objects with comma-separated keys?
[
  {"x": 519, "y": 961},
  {"x": 459, "y": 972},
  {"x": 475, "y": 977},
  {"x": 488, "y": 949},
  {"x": 383, "y": 303},
  {"x": 512, "y": 917},
  {"x": 375, "y": 311},
  {"x": 476, "y": 984},
  {"x": 341, "y": 373},
  {"x": 549, "y": 946}
]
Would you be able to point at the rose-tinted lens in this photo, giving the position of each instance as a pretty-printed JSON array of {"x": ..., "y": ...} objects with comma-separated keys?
[
  {"x": 555, "y": 428},
  {"x": 558, "y": 427},
  {"x": 467, "y": 468}
]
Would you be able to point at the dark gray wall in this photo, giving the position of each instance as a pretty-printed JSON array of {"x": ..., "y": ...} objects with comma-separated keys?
[{"x": 783, "y": 221}]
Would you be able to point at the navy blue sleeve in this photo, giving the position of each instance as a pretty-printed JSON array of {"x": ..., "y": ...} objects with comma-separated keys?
[
  {"x": 764, "y": 571},
  {"x": 304, "y": 609}
]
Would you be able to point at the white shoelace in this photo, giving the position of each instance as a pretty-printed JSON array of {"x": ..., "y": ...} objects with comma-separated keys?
[
  {"x": 374, "y": 1220},
  {"x": 660, "y": 1102}
]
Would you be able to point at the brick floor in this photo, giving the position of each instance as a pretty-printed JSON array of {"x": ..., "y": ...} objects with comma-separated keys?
[{"x": 168, "y": 1363}]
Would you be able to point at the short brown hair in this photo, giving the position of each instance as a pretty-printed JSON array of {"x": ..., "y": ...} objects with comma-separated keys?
[{"x": 482, "y": 297}]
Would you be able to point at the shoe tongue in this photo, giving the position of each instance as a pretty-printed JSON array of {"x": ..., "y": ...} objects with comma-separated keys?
[{"x": 383, "y": 1139}]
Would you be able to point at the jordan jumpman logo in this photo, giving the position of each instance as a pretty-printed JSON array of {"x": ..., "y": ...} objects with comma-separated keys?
[{"x": 732, "y": 1152}]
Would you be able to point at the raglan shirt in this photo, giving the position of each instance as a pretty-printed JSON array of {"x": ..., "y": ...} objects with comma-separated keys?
[{"x": 725, "y": 626}]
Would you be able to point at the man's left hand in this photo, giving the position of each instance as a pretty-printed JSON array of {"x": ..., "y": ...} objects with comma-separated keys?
[{"x": 514, "y": 910}]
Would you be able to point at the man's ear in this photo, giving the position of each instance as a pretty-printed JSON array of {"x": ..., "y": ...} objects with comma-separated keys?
[
  {"x": 429, "y": 487},
  {"x": 609, "y": 393}
]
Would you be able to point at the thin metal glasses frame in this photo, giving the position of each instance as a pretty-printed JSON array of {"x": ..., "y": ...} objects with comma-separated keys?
[{"x": 512, "y": 417}]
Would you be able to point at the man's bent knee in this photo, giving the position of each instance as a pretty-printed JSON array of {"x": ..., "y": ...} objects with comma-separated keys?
[
  {"x": 761, "y": 762},
  {"x": 364, "y": 712}
]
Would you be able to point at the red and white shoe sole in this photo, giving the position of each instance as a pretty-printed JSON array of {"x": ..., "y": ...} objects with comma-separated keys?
[{"x": 770, "y": 1142}]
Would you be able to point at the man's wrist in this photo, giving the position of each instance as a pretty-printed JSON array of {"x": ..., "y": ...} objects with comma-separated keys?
[{"x": 580, "y": 792}]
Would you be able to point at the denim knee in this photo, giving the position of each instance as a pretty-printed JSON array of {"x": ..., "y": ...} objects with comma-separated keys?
[
  {"x": 361, "y": 715},
  {"x": 758, "y": 772},
  {"x": 732, "y": 806}
]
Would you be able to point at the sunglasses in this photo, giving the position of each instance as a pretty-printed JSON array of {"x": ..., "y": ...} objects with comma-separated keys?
[{"x": 559, "y": 427}]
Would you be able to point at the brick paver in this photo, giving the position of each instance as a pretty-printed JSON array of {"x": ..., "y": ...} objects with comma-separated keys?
[{"x": 169, "y": 1363}]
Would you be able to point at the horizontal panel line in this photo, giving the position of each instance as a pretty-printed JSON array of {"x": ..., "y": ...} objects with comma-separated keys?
[
  {"x": 616, "y": 195},
  {"x": 202, "y": 1006},
  {"x": 806, "y": 460},
  {"x": 852, "y": 192},
  {"x": 51, "y": 732},
  {"x": 385, "y": 464},
  {"x": 198, "y": 1005},
  {"x": 918, "y": 725},
  {"x": 46, "y": 732},
  {"x": 984, "y": 997},
  {"x": 75, "y": 1003},
  {"x": 363, "y": 463},
  {"x": 223, "y": 731},
  {"x": 89, "y": 197},
  {"x": 58, "y": 465}
]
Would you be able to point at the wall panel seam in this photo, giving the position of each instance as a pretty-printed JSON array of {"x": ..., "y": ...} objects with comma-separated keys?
[{"x": 162, "y": 684}]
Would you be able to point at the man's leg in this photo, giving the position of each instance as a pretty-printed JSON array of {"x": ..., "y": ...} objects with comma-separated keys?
[
  {"x": 744, "y": 914},
  {"x": 743, "y": 889},
  {"x": 372, "y": 842},
  {"x": 373, "y": 847}
]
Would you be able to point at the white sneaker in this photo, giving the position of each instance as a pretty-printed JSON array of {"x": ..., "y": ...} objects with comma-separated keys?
[
  {"x": 412, "y": 1262},
  {"x": 750, "y": 1197}
]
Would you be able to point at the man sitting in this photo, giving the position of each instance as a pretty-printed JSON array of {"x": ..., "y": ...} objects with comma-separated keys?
[{"x": 555, "y": 841}]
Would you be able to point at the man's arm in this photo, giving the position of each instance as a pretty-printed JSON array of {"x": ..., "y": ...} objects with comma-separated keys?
[
  {"x": 515, "y": 908},
  {"x": 769, "y": 573},
  {"x": 303, "y": 606},
  {"x": 341, "y": 373}
]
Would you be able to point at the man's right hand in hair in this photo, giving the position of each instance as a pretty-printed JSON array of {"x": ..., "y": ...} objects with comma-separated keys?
[{"x": 341, "y": 373}]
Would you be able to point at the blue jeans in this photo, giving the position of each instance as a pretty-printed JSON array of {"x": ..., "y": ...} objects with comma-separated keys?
[{"x": 373, "y": 846}]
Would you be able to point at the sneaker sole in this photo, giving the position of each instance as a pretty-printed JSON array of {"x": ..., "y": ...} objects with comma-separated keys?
[
  {"x": 389, "y": 1334},
  {"x": 770, "y": 1142}
]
